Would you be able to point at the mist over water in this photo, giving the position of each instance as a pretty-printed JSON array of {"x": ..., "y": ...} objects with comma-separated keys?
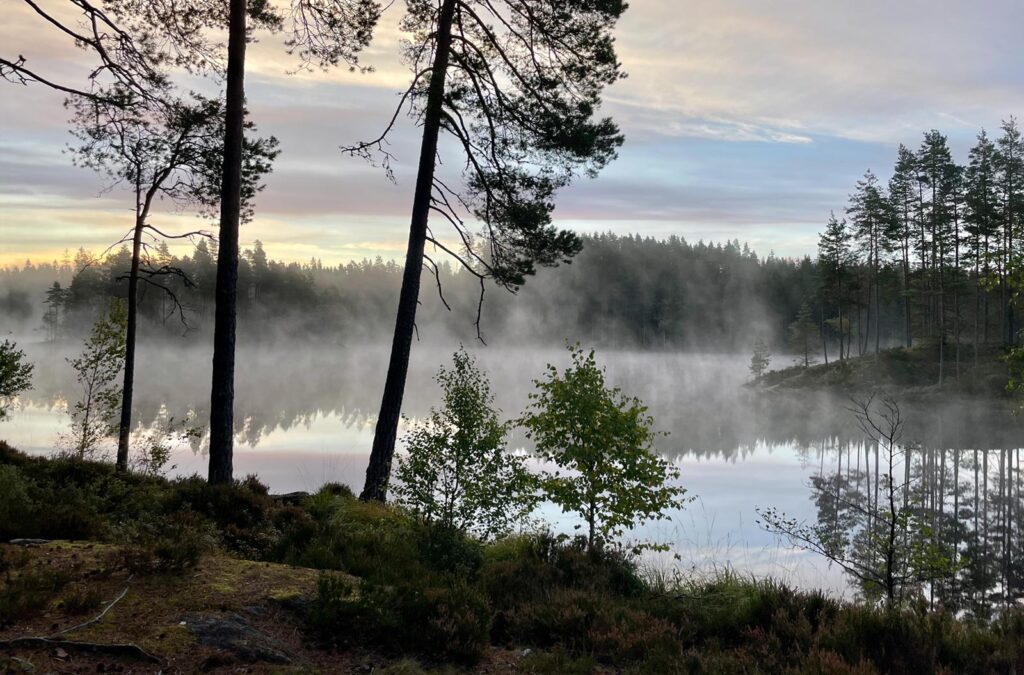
[{"x": 304, "y": 416}]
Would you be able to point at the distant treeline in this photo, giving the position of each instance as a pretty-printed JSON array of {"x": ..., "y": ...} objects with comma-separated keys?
[{"x": 621, "y": 289}]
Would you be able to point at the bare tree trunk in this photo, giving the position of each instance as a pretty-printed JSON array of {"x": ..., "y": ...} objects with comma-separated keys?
[
  {"x": 222, "y": 395},
  {"x": 378, "y": 472}
]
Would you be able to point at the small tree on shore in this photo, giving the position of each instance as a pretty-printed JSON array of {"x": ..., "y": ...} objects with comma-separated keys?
[
  {"x": 458, "y": 473},
  {"x": 95, "y": 415},
  {"x": 15, "y": 374},
  {"x": 760, "y": 359},
  {"x": 603, "y": 445}
]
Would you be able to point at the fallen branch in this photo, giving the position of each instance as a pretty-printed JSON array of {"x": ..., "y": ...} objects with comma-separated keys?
[
  {"x": 55, "y": 640},
  {"x": 129, "y": 650},
  {"x": 99, "y": 616}
]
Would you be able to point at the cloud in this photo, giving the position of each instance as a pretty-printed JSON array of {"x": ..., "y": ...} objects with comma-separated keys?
[{"x": 743, "y": 118}]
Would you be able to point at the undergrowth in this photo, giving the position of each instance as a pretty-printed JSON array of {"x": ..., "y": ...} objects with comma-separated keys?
[{"x": 443, "y": 598}]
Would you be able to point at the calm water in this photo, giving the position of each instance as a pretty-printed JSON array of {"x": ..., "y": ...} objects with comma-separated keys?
[{"x": 306, "y": 416}]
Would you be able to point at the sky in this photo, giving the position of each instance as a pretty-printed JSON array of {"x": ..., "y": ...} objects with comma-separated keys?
[{"x": 744, "y": 119}]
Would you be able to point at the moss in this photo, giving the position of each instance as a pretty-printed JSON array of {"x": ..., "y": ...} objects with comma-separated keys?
[
  {"x": 169, "y": 639},
  {"x": 285, "y": 594},
  {"x": 557, "y": 662}
]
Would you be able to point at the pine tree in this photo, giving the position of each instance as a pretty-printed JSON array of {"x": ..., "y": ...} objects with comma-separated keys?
[
  {"x": 982, "y": 226},
  {"x": 516, "y": 85},
  {"x": 834, "y": 262},
  {"x": 870, "y": 217},
  {"x": 901, "y": 199},
  {"x": 938, "y": 175},
  {"x": 1010, "y": 176},
  {"x": 168, "y": 150}
]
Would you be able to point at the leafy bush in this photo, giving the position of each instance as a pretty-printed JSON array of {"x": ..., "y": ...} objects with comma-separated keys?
[
  {"x": 602, "y": 444},
  {"x": 458, "y": 474},
  {"x": 449, "y": 551},
  {"x": 355, "y": 536},
  {"x": 242, "y": 512},
  {"x": 15, "y": 374}
]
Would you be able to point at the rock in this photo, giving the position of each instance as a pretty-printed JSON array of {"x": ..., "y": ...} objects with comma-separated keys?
[
  {"x": 292, "y": 498},
  {"x": 236, "y": 637},
  {"x": 28, "y": 542}
]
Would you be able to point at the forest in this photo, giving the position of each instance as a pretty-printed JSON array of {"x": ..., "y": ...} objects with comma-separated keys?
[{"x": 666, "y": 294}]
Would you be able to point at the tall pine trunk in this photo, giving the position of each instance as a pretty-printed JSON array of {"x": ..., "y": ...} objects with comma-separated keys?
[
  {"x": 222, "y": 395},
  {"x": 908, "y": 324},
  {"x": 379, "y": 469},
  {"x": 878, "y": 312},
  {"x": 942, "y": 322},
  {"x": 128, "y": 388},
  {"x": 824, "y": 335}
]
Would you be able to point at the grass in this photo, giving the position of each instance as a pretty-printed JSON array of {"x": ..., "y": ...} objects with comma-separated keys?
[{"x": 339, "y": 581}]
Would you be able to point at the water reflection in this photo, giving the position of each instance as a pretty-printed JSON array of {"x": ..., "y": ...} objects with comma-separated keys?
[
  {"x": 699, "y": 399},
  {"x": 305, "y": 416}
]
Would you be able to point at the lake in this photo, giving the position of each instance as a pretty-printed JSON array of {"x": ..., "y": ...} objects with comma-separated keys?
[{"x": 305, "y": 415}]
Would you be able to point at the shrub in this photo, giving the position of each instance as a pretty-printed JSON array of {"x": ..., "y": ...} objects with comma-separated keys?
[
  {"x": 81, "y": 598},
  {"x": 171, "y": 544},
  {"x": 357, "y": 536},
  {"x": 450, "y": 623},
  {"x": 242, "y": 512},
  {"x": 16, "y": 506},
  {"x": 526, "y": 567},
  {"x": 29, "y": 589},
  {"x": 590, "y": 622},
  {"x": 449, "y": 551}
]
